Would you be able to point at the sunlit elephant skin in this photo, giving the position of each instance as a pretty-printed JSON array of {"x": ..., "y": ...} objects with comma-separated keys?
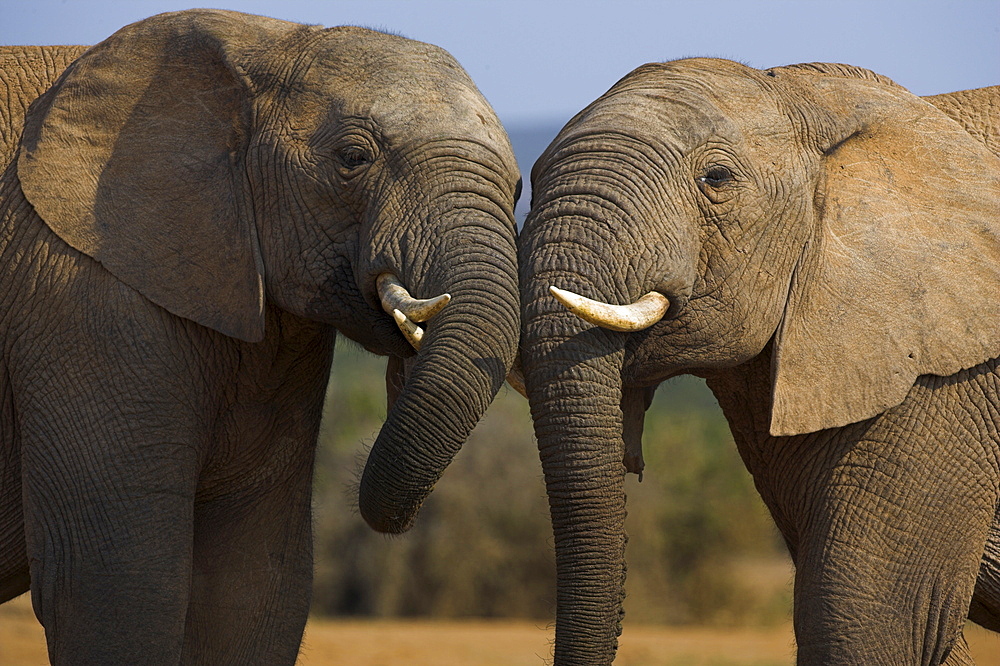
[
  {"x": 195, "y": 209},
  {"x": 824, "y": 248}
]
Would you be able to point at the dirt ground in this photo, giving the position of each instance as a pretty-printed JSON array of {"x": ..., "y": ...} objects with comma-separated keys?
[{"x": 475, "y": 643}]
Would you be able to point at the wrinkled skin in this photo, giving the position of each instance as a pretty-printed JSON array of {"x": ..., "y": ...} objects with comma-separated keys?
[
  {"x": 830, "y": 247},
  {"x": 195, "y": 209}
]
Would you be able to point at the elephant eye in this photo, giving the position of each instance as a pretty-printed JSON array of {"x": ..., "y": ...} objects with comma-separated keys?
[
  {"x": 354, "y": 157},
  {"x": 717, "y": 176}
]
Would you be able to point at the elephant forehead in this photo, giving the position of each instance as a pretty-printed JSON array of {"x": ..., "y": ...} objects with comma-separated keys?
[
  {"x": 406, "y": 87},
  {"x": 418, "y": 103},
  {"x": 687, "y": 103},
  {"x": 674, "y": 124}
]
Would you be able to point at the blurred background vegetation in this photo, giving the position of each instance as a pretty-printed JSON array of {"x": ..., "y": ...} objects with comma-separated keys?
[{"x": 702, "y": 549}]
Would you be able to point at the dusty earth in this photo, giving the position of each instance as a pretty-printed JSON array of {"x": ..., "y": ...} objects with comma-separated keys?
[{"x": 475, "y": 643}]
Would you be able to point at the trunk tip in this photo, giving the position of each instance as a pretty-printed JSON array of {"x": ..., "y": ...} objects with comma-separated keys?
[
  {"x": 393, "y": 521},
  {"x": 384, "y": 507}
]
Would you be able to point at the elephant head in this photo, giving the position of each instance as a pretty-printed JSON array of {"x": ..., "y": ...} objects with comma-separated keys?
[
  {"x": 702, "y": 212},
  {"x": 222, "y": 164}
]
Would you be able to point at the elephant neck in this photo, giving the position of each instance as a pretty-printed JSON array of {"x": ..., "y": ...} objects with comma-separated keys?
[
  {"x": 744, "y": 394},
  {"x": 777, "y": 464}
]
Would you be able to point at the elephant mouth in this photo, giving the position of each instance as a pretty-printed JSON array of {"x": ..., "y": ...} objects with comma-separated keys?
[
  {"x": 396, "y": 323},
  {"x": 645, "y": 321}
]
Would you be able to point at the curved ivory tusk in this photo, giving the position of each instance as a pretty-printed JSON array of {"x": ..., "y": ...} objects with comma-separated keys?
[
  {"x": 413, "y": 333},
  {"x": 634, "y": 317},
  {"x": 394, "y": 296}
]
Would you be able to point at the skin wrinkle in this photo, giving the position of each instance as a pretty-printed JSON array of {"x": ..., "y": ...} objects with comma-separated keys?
[
  {"x": 592, "y": 238},
  {"x": 772, "y": 245},
  {"x": 617, "y": 207},
  {"x": 615, "y": 235},
  {"x": 475, "y": 195},
  {"x": 278, "y": 274},
  {"x": 596, "y": 161},
  {"x": 629, "y": 179},
  {"x": 491, "y": 169}
]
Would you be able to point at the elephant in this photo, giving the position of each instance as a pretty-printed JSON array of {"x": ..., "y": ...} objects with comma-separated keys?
[
  {"x": 190, "y": 214},
  {"x": 823, "y": 248}
]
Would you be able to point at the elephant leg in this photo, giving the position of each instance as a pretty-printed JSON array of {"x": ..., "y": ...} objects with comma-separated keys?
[
  {"x": 110, "y": 464},
  {"x": 885, "y": 568},
  {"x": 109, "y": 540},
  {"x": 252, "y": 575},
  {"x": 14, "y": 577}
]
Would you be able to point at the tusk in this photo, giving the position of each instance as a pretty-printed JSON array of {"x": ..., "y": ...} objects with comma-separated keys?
[
  {"x": 413, "y": 333},
  {"x": 394, "y": 296},
  {"x": 634, "y": 317}
]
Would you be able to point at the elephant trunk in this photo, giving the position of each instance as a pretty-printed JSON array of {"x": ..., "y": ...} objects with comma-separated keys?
[
  {"x": 464, "y": 358},
  {"x": 574, "y": 386},
  {"x": 581, "y": 238}
]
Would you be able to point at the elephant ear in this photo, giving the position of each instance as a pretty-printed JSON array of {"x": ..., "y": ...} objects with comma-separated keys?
[
  {"x": 134, "y": 158},
  {"x": 902, "y": 275}
]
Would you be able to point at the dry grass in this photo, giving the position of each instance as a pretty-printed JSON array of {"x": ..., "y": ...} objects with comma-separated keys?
[
  {"x": 414, "y": 643},
  {"x": 475, "y": 643}
]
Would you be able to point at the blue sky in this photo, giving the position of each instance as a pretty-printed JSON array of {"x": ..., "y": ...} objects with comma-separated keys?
[{"x": 543, "y": 60}]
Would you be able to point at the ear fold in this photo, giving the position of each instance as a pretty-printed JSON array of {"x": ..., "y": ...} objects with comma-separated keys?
[
  {"x": 902, "y": 276},
  {"x": 134, "y": 158}
]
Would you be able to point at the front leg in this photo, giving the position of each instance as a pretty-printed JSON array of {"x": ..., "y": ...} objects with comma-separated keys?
[
  {"x": 890, "y": 544},
  {"x": 886, "y": 520},
  {"x": 13, "y": 554},
  {"x": 985, "y": 608},
  {"x": 252, "y": 579},
  {"x": 253, "y": 530},
  {"x": 108, "y": 504}
]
